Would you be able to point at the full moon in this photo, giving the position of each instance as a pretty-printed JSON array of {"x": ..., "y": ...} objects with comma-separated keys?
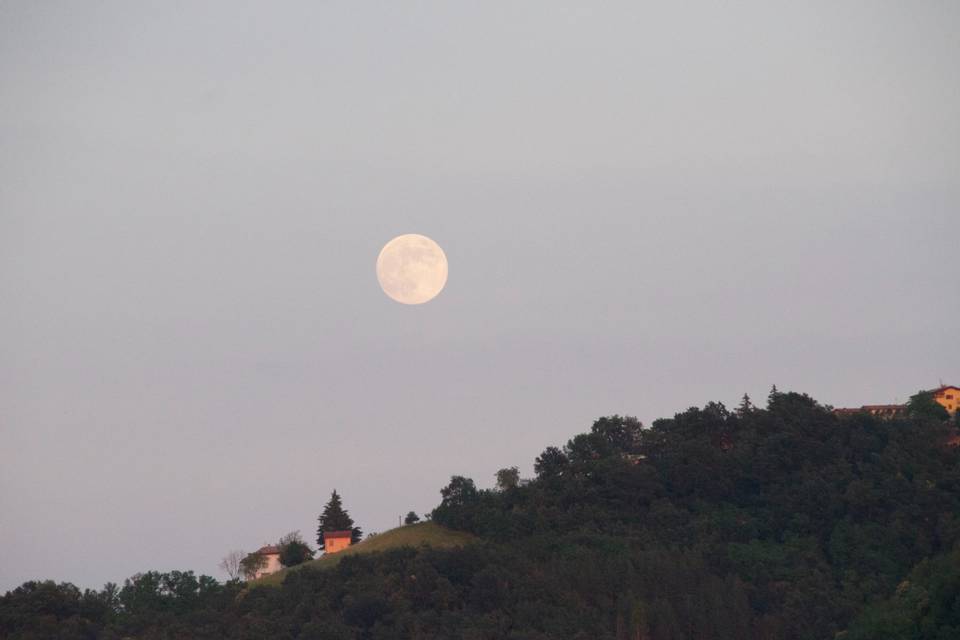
[{"x": 412, "y": 269}]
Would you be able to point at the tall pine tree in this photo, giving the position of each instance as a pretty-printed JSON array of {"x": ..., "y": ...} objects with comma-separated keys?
[
  {"x": 336, "y": 518},
  {"x": 746, "y": 406}
]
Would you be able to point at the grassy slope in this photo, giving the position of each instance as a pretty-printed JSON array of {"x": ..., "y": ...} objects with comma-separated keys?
[{"x": 415, "y": 535}]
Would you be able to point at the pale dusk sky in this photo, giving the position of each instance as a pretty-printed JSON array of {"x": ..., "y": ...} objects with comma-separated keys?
[{"x": 645, "y": 206}]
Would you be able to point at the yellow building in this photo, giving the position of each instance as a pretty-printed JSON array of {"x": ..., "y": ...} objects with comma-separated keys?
[
  {"x": 334, "y": 541},
  {"x": 948, "y": 397}
]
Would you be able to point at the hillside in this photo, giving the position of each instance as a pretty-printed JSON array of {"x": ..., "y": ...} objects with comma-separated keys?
[
  {"x": 423, "y": 534},
  {"x": 787, "y": 522}
]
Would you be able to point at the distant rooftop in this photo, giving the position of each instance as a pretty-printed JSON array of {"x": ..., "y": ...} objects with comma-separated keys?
[
  {"x": 899, "y": 410},
  {"x": 879, "y": 410},
  {"x": 269, "y": 550},
  {"x": 338, "y": 534}
]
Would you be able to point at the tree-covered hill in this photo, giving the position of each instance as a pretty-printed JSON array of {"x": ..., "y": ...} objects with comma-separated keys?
[{"x": 781, "y": 522}]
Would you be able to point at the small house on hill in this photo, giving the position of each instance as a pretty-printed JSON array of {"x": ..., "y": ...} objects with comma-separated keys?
[
  {"x": 334, "y": 541},
  {"x": 947, "y": 397},
  {"x": 272, "y": 555}
]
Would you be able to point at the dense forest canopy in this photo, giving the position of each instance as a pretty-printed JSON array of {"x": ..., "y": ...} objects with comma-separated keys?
[{"x": 779, "y": 522}]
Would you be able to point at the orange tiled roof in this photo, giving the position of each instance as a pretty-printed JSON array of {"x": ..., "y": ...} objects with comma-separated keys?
[
  {"x": 338, "y": 534},
  {"x": 946, "y": 387}
]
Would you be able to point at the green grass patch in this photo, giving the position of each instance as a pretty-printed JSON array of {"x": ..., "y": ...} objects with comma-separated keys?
[{"x": 414, "y": 535}]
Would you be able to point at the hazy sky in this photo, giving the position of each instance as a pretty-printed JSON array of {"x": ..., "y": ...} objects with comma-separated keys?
[{"x": 644, "y": 206}]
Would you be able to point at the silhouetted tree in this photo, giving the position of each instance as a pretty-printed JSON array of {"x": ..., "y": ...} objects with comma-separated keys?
[
  {"x": 620, "y": 434},
  {"x": 230, "y": 564},
  {"x": 251, "y": 564},
  {"x": 293, "y": 550},
  {"x": 772, "y": 396},
  {"x": 457, "y": 498},
  {"x": 922, "y": 404},
  {"x": 551, "y": 463},
  {"x": 412, "y": 518},
  {"x": 459, "y": 492},
  {"x": 508, "y": 478},
  {"x": 336, "y": 518},
  {"x": 746, "y": 406}
]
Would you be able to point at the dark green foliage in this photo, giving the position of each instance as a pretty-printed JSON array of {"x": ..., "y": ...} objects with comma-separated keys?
[
  {"x": 779, "y": 523},
  {"x": 551, "y": 463},
  {"x": 923, "y": 405},
  {"x": 293, "y": 550},
  {"x": 412, "y": 518},
  {"x": 458, "y": 501},
  {"x": 150, "y": 605},
  {"x": 336, "y": 518},
  {"x": 459, "y": 493},
  {"x": 814, "y": 515},
  {"x": 508, "y": 478},
  {"x": 925, "y": 606},
  {"x": 251, "y": 564}
]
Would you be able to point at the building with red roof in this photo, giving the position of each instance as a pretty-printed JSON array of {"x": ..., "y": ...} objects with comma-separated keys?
[
  {"x": 272, "y": 555},
  {"x": 948, "y": 397},
  {"x": 334, "y": 541}
]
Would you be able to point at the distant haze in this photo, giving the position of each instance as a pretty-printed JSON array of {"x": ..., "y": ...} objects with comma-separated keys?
[{"x": 644, "y": 206}]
